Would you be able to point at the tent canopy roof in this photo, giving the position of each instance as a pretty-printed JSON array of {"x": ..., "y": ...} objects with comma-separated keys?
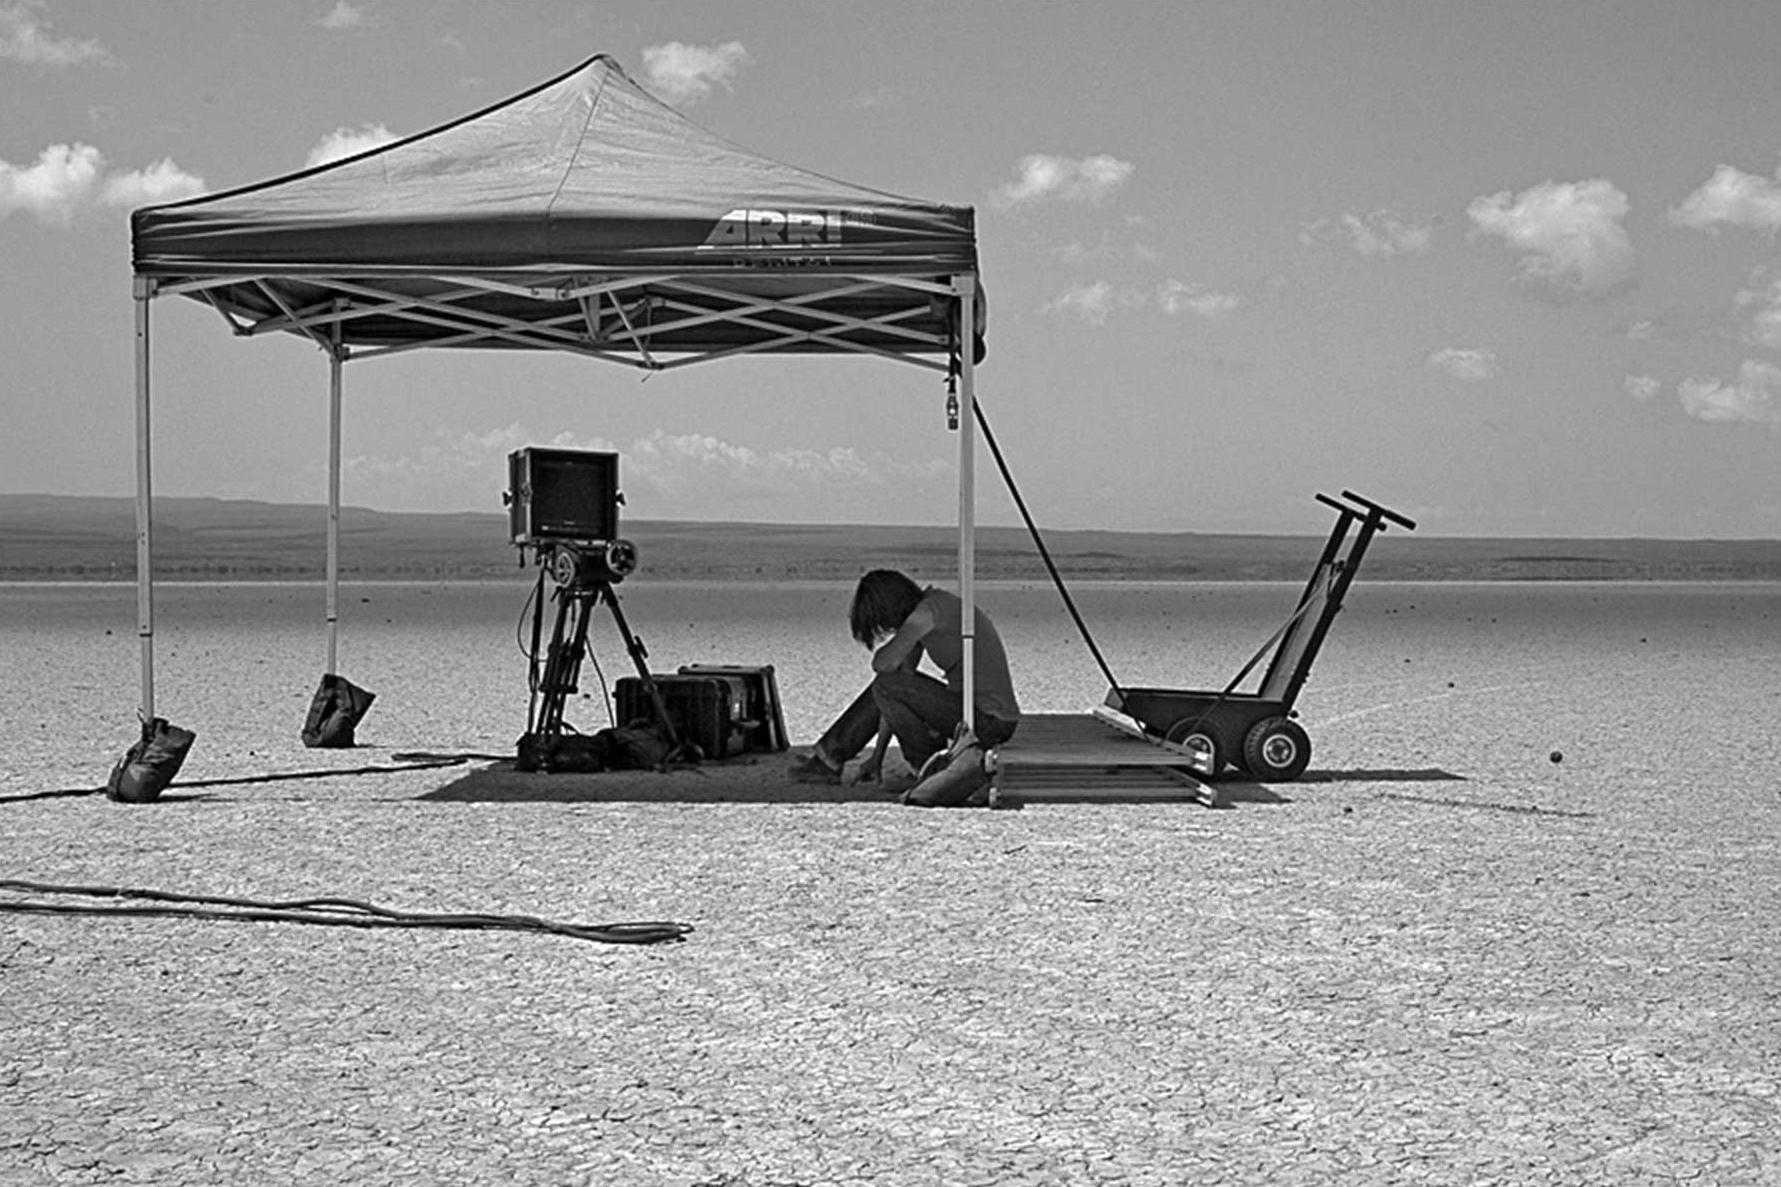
[{"x": 582, "y": 215}]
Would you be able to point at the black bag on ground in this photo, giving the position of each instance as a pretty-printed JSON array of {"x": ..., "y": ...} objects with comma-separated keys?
[
  {"x": 335, "y": 712},
  {"x": 637, "y": 747},
  {"x": 150, "y": 764},
  {"x": 576, "y": 753}
]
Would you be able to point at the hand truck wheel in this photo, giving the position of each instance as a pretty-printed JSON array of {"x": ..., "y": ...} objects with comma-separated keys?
[
  {"x": 1192, "y": 734},
  {"x": 1276, "y": 750}
]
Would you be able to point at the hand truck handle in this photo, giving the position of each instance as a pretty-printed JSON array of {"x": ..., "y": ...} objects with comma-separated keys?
[{"x": 1387, "y": 513}]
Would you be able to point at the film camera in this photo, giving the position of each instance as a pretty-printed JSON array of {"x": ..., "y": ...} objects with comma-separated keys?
[{"x": 563, "y": 504}]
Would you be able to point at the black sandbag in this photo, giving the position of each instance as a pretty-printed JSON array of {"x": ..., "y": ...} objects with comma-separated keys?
[
  {"x": 637, "y": 747},
  {"x": 574, "y": 753},
  {"x": 335, "y": 712},
  {"x": 150, "y": 764},
  {"x": 632, "y": 748}
]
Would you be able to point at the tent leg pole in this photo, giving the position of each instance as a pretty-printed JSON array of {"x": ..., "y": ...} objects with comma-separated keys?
[
  {"x": 144, "y": 291},
  {"x": 335, "y": 357},
  {"x": 967, "y": 289}
]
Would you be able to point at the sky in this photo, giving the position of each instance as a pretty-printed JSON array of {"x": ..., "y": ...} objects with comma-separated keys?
[{"x": 1509, "y": 268}]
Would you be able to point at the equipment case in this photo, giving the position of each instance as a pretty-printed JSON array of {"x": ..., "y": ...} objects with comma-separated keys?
[
  {"x": 723, "y": 710},
  {"x": 762, "y": 712}
]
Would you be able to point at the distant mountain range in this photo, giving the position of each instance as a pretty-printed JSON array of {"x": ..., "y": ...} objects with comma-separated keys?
[{"x": 58, "y": 537}]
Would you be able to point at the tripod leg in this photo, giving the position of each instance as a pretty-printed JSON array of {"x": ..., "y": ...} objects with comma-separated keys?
[
  {"x": 563, "y": 666},
  {"x": 640, "y": 660}
]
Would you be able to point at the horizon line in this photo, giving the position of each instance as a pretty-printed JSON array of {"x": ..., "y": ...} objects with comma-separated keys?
[{"x": 947, "y": 526}]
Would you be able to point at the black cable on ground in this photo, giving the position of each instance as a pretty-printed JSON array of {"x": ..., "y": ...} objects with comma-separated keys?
[
  {"x": 59, "y": 793},
  {"x": 430, "y": 762},
  {"x": 413, "y": 760},
  {"x": 326, "y": 912},
  {"x": 1045, "y": 554}
]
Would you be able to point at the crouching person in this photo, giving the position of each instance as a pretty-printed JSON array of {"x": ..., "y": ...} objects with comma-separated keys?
[{"x": 903, "y": 622}]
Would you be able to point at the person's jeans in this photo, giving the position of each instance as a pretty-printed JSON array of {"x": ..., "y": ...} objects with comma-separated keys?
[{"x": 923, "y": 714}]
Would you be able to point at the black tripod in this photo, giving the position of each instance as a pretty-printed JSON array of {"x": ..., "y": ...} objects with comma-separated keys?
[{"x": 584, "y": 582}]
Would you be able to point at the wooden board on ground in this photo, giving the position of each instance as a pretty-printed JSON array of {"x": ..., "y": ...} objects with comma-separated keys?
[{"x": 1076, "y": 756}]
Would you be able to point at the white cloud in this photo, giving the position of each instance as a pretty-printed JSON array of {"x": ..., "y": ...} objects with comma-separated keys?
[
  {"x": 1642, "y": 387},
  {"x": 690, "y": 467},
  {"x": 56, "y": 187},
  {"x": 1095, "y": 303},
  {"x": 686, "y": 73},
  {"x": 1469, "y": 366},
  {"x": 1380, "y": 233},
  {"x": 1734, "y": 198},
  {"x": 1754, "y": 396},
  {"x": 1569, "y": 233},
  {"x": 1091, "y": 302},
  {"x": 1176, "y": 296},
  {"x": 1383, "y": 233},
  {"x": 69, "y": 179},
  {"x": 1763, "y": 304},
  {"x": 342, "y": 16},
  {"x": 1042, "y": 176},
  {"x": 162, "y": 181},
  {"x": 664, "y": 475},
  {"x": 1078, "y": 252},
  {"x": 24, "y": 38},
  {"x": 346, "y": 142}
]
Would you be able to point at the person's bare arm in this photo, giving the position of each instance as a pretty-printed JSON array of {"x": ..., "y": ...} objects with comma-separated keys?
[{"x": 904, "y": 649}]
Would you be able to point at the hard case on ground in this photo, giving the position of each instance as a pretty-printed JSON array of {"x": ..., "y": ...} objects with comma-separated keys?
[
  {"x": 725, "y": 710},
  {"x": 705, "y": 710},
  {"x": 762, "y": 711}
]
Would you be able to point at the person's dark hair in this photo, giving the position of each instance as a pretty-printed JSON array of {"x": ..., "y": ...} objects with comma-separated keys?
[{"x": 882, "y": 601}]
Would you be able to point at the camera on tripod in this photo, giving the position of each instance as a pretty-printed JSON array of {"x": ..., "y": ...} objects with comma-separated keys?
[{"x": 563, "y": 504}]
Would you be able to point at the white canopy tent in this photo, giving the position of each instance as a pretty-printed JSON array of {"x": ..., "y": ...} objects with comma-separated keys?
[{"x": 582, "y": 216}]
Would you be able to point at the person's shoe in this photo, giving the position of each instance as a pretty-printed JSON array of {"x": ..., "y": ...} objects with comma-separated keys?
[
  {"x": 810, "y": 768},
  {"x": 950, "y": 784},
  {"x": 936, "y": 762}
]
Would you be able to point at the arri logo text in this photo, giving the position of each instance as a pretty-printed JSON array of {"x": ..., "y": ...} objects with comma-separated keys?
[{"x": 776, "y": 228}]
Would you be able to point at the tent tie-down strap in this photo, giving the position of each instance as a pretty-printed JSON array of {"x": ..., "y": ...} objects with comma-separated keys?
[
  {"x": 1082, "y": 627},
  {"x": 1057, "y": 579},
  {"x": 332, "y": 912},
  {"x": 1291, "y": 620}
]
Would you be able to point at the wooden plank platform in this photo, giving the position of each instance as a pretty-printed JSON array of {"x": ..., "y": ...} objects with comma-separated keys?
[{"x": 1079, "y": 756}]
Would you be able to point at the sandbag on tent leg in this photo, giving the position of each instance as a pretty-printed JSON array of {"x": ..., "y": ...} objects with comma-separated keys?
[
  {"x": 335, "y": 712},
  {"x": 151, "y": 763}
]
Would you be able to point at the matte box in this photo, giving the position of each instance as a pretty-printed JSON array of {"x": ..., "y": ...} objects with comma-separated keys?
[{"x": 562, "y": 495}]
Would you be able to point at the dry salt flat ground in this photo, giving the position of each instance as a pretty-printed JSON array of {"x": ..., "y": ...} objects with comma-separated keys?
[{"x": 1441, "y": 957}]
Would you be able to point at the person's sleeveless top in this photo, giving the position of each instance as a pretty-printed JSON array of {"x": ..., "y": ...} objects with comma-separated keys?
[{"x": 995, "y": 686}]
